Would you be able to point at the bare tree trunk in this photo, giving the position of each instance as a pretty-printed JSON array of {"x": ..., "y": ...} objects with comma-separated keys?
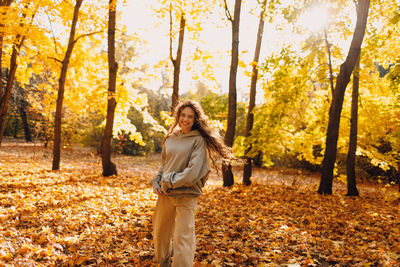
[
  {"x": 231, "y": 124},
  {"x": 343, "y": 79},
  {"x": 328, "y": 48},
  {"x": 247, "y": 168},
  {"x": 351, "y": 155},
  {"x": 109, "y": 168},
  {"x": 61, "y": 88},
  {"x": 177, "y": 61}
]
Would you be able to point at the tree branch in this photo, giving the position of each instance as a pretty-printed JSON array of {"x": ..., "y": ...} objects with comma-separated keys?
[
  {"x": 52, "y": 32},
  {"x": 227, "y": 13},
  {"x": 56, "y": 59},
  {"x": 85, "y": 35},
  {"x": 170, "y": 33}
]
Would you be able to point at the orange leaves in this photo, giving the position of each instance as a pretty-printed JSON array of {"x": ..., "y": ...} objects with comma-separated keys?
[
  {"x": 77, "y": 217},
  {"x": 263, "y": 224}
]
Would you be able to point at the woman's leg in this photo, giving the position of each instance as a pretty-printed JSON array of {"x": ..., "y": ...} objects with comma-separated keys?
[
  {"x": 163, "y": 228},
  {"x": 184, "y": 235}
]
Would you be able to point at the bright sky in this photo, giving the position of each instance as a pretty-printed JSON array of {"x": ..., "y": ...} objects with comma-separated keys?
[{"x": 216, "y": 38}]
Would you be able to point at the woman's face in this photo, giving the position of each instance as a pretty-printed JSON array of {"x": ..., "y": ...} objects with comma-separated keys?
[{"x": 186, "y": 119}]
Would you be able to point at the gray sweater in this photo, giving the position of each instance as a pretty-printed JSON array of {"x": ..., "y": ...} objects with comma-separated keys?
[{"x": 185, "y": 168}]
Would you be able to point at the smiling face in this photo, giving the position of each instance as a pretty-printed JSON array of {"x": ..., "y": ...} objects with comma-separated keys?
[{"x": 186, "y": 119}]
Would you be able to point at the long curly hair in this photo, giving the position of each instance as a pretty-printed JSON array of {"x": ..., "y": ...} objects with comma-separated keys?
[{"x": 215, "y": 145}]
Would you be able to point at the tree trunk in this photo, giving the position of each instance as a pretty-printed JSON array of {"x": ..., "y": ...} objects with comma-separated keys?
[
  {"x": 5, "y": 98},
  {"x": 109, "y": 168},
  {"x": 328, "y": 47},
  {"x": 231, "y": 124},
  {"x": 61, "y": 88},
  {"x": 9, "y": 86},
  {"x": 27, "y": 131},
  {"x": 351, "y": 155},
  {"x": 177, "y": 61},
  {"x": 342, "y": 80},
  {"x": 247, "y": 168}
]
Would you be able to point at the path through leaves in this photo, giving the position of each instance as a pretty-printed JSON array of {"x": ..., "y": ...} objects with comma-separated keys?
[{"x": 77, "y": 217}]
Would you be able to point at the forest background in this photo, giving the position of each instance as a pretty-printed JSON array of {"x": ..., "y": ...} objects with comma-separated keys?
[
  {"x": 86, "y": 74},
  {"x": 304, "y": 45}
]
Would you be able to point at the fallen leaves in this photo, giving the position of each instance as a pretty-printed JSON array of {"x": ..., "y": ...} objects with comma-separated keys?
[
  {"x": 268, "y": 224},
  {"x": 77, "y": 217}
]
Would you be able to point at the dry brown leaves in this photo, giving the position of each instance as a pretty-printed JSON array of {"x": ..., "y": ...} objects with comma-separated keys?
[{"x": 77, "y": 217}]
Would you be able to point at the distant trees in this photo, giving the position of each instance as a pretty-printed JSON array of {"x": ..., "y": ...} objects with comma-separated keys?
[
  {"x": 16, "y": 47},
  {"x": 289, "y": 127}
]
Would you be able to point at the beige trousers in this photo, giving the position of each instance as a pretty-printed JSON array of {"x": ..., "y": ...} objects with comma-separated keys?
[{"x": 173, "y": 222}]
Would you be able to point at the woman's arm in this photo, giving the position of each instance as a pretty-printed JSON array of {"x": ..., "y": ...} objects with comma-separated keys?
[{"x": 155, "y": 182}]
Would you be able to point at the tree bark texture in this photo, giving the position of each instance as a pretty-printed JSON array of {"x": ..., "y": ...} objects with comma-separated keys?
[
  {"x": 247, "y": 168},
  {"x": 351, "y": 155},
  {"x": 61, "y": 89},
  {"x": 177, "y": 61},
  {"x": 231, "y": 124},
  {"x": 109, "y": 168},
  {"x": 342, "y": 80}
]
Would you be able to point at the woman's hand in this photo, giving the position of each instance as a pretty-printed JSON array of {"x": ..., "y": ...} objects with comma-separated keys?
[{"x": 157, "y": 191}]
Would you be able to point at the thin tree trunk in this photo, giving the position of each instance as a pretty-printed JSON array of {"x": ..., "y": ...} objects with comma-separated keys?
[
  {"x": 342, "y": 80},
  {"x": 328, "y": 48},
  {"x": 9, "y": 86},
  {"x": 109, "y": 168},
  {"x": 61, "y": 88},
  {"x": 27, "y": 131},
  {"x": 247, "y": 168},
  {"x": 177, "y": 61},
  {"x": 231, "y": 124},
  {"x": 351, "y": 155}
]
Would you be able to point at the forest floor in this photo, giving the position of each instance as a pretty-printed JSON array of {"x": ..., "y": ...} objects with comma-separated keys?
[{"x": 75, "y": 216}]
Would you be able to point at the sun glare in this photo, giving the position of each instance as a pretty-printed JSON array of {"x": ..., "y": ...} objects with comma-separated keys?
[{"x": 315, "y": 18}]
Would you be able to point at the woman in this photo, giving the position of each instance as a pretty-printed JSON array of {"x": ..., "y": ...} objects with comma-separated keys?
[{"x": 179, "y": 182}]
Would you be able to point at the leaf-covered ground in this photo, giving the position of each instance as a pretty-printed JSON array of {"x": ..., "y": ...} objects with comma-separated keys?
[{"x": 77, "y": 217}]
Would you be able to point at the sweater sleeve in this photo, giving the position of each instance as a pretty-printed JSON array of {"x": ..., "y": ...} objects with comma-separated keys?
[
  {"x": 197, "y": 168},
  {"x": 155, "y": 182}
]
